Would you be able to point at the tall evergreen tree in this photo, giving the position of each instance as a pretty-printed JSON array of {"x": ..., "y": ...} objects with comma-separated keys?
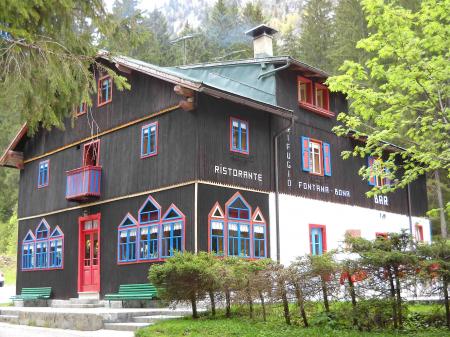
[
  {"x": 316, "y": 37},
  {"x": 349, "y": 27}
]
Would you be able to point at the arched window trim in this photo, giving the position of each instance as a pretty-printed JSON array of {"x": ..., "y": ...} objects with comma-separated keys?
[
  {"x": 127, "y": 229},
  {"x": 151, "y": 200},
  {"x": 45, "y": 223},
  {"x": 251, "y": 222},
  {"x": 172, "y": 222},
  {"x": 151, "y": 225},
  {"x": 55, "y": 236},
  {"x": 28, "y": 243}
]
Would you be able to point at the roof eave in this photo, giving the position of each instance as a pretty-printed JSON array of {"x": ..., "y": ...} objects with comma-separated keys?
[{"x": 12, "y": 145}]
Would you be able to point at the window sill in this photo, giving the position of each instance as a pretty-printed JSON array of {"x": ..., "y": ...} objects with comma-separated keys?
[
  {"x": 316, "y": 109},
  {"x": 149, "y": 155},
  {"x": 103, "y": 103}
]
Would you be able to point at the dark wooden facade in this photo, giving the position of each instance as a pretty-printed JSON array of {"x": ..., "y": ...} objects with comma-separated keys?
[{"x": 193, "y": 148}]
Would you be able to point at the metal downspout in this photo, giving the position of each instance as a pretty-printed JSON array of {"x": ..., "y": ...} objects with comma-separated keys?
[{"x": 277, "y": 202}]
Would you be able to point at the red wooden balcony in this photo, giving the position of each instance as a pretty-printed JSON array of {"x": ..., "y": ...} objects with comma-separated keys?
[{"x": 83, "y": 184}]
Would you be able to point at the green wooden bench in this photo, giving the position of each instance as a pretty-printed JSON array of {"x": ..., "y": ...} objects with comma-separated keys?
[
  {"x": 144, "y": 291},
  {"x": 32, "y": 294}
]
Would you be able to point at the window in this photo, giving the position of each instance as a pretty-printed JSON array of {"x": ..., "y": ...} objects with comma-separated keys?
[
  {"x": 56, "y": 242},
  {"x": 81, "y": 109},
  {"x": 43, "y": 250},
  {"x": 153, "y": 237},
  {"x": 149, "y": 212},
  {"x": 127, "y": 239},
  {"x": 28, "y": 251},
  {"x": 376, "y": 165},
  {"x": 259, "y": 240},
  {"x": 317, "y": 235},
  {"x": 91, "y": 153},
  {"x": 239, "y": 136},
  {"x": 419, "y": 233},
  {"x": 381, "y": 235},
  {"x": 149, "y": 140},
  {"x": 104, "y": 90},
  {"x": 316, "y": 157},
  {"x": 314, "y": 97},
  {"x": 237, "y": 233},
  {"x": 172, "y": 237},
  {"x": 44, "y": 173},
  {"x": 148, "y": 247},
  {"x": 322, "y": 97},
  {"x": 304, "y": 90},
  {"x": 217, "y": 237}
]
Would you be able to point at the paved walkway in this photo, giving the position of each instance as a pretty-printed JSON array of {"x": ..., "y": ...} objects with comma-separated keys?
[
  {"x": 12, "y": 330},
  {"x": 6, "y": 292}
]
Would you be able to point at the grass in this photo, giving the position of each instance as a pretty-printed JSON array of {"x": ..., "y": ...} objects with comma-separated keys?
[{"x": 242, "y": 327}]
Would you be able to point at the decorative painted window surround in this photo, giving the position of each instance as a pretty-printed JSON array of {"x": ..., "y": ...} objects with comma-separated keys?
[
  {"x": 81, "y": 109},
  {"x": 317, "y": 239},
  {"x": 314, "y": 97},
  {"x": 238, "y": 231},
  {"x": 42, "y": 250},
  {"x": 316, "y": 156},
  {"x": 157, "y": 237},
  {"x": 43, "y": 173},
  {"x": 374, "y": 179},
  {"x": 149, "y": 140},
  {"x": 239, "y": 136},
  {"x": 104, "y": 90}
]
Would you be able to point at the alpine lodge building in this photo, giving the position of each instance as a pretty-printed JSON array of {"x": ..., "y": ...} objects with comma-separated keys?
[{"x": 236, "y": 158}]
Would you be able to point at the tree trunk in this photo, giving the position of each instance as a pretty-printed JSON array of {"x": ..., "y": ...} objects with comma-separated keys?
[
  {"x": 287, "y": 315},
  {"x": 353, "y": 296},
  {"x": 213, "y": 303},
  {"x": 398, "y": 290},
  {"x": 392, "y": 297},
  {"x": 194, "y": 307},
  {"x": 325, "y": 295},
  {"x": 263, "y": 305},
  {"x": 441, "y": 205},
  {"x": 301, "y": 304},
  {"x": 447, "y": 306},
  {"x": 227, "y": 303},
  {"x": 250, "y": 301}
]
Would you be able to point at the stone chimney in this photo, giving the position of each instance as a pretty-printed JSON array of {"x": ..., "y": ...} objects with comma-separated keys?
[{"x": 262, "y": 40}]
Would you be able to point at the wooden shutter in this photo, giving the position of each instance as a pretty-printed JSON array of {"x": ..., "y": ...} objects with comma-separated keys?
[
  {"x": 326, "y": 159},
  {"x": 372, "y": 178},
  {"x": 305, "y": 154}
]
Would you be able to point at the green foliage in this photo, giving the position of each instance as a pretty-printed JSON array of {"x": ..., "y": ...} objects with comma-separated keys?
[{"x": 400, "y": 94}]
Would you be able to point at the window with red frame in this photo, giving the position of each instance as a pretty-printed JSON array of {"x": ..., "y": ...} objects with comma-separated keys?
[
  {"x": 91, "y": 153},
  {"x": 375, "y": 164},
  {"x": 304, "y": 90},
  {"x": 322, "y": 97},
  {"x": 419, "y": 233},
  {"x": 81, "y": 109},
  {"x": 316, "y": 156},
  {"x": 104, "y": 90},
  {"x": 381, "y": 235},
  {"x": 314, "y": 97}
]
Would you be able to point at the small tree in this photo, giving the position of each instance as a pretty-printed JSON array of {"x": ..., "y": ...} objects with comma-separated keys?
[
  {"x": 279, "y": 278},
  {"x": 226, "y": 273},
  {"x": 436, "y": 263},
  {"x": 323, "y": 267},
  {"x": 181, "y": 278},
  {"x": 211, "y": 277}
]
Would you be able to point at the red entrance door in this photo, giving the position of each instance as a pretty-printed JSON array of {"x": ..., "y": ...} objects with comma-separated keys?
[{"x": 89, "y": 253}]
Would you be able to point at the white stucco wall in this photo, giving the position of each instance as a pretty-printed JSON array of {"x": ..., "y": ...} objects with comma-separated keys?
[{"x": 297, "y": 213}]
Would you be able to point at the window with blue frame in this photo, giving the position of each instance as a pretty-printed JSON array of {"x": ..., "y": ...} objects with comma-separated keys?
[
  {"x": 259, "y": 240},
  {"x": 149, "y": 212},
  {"x": 43, "y": 250},
  {"x": 148, "y": 246},
  {"x": 56, "y": 243},
  {"x": 239, "y": 136},
  {"x": 376, "y": 166},
  {"x": 127, "y": 239},
  {"x": 317, "y": 240},
  {"x": 239, "y": 232},
  {"x": 28, "y": 251},
  {"x": 153, "y": 237},
  {"x": 316, "y": 157},
  {"x": 217, "y": 237},
  {"x": 44, "y": 173},
  {"x": 239, "y": 239},
  {"x": 149, "y": 140},
  {"x": 104, "y": 94}
]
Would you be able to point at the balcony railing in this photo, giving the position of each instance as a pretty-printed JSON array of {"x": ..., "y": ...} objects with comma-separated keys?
[{"x": 83, "y": 184}]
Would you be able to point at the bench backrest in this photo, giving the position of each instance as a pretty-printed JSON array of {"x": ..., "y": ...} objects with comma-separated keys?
[
  {"x": 137, "y": 288},
  {"x": 44, "y": 291}
]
